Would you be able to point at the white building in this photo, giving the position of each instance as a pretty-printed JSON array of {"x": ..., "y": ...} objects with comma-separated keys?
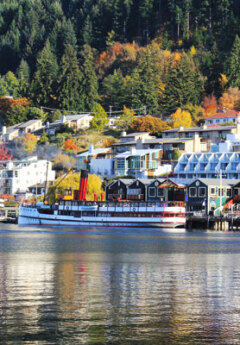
[
  {"x": 76, "y": 121},
  {"x": 17, "y": 176},
  {"x": 20, "y": 129}
]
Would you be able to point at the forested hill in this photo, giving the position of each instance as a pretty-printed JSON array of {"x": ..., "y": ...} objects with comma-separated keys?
[{"x": 69, "y": 54}]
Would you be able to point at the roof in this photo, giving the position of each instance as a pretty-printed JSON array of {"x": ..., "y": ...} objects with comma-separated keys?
[
  {"x": 200, "y": 129},
  {"x": 154, "y": 141},
  {"x": 28, "y": 123},
  {"x": 126, "y": 181},
  {"x": 144, "y": 181},
  {"x": 135, "y": 153},
  {"x": 216, "y": 181},
  {"x": 134, "y": 134},
  {"x": 94, "y": 152},
  {"x": 76, "y": 117},
  {"x": 230, "y": 113}
]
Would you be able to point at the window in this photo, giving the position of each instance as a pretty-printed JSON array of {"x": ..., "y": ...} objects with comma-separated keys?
[
  {"x": 201, "y": 191},
  {"x": 120, "y": 163},
  {"x": 192, "y": 192},
  {"x": 213, "y": 191},
  {"x": 229, "y": 192},
  {"x": 220, "y": 192},
  {"x": 152, "y": 191},
  {"x": 160, "y": 192}
]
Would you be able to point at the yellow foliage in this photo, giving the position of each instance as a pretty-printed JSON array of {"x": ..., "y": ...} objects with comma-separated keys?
[
  {"x": 193, "y": 50},
  {"x": 181, "y": 118},
  {"x": 30, "y": 142},
  {"x": 180, "y": 42},
  {"x": 177, "y": 57},
  {"x": 223, "y": 79},
  {"x": 161, "y": 87},
  {"x": 63, "y": 161},
  {"x": 56, "y": 191}
]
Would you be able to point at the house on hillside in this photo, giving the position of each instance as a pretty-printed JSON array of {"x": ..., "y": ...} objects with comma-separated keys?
[
  {"x": 223, "y": 117},
  {"x": 77, "y": 122},
  {"x": 20, "y": 129}
]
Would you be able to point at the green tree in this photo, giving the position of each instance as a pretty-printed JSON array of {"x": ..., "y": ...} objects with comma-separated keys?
[
  {"x": 89, "y": 87},
  {"x": 15, "y": 114},
  {"x": 44, "y": 138},
  {"x": 100, "y": 118},
  {"x": 23, "y": 74},
  {"x": 36, "y": 113},
  {"x": 69, "y": 81},
  {"x": 184, "y": 85},
  {"x": 233, "y": 67},
  {"x": 43, "y": 84}
]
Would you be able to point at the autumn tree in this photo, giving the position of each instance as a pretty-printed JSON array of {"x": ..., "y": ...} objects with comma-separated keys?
[
  {"x": 56, "y": 191},
  {"x": 30, "y": 142},
  {"x": 126, "y": 118},
  {"x": 69, "y": 146},
  {"x": 64, "y": 162},
  {"x": 181, "y": 118},
  {"x": 210, "y": 105},
  {"x": 149, "y": 124},
  {"x": 230, "y": 99}
]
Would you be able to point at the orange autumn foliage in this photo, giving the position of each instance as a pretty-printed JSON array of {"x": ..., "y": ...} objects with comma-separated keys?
[
  {"x": 69, "y": 146},
  {"x": 118, "y": 51},
  {"x": 230, "y": 99},
  {"x": 210, "y": 105},
  {"x": 6, "y": 103}
]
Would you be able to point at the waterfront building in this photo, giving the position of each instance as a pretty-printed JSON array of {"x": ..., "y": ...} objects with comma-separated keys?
[
  {"x": 209, "y": 195},
  {"x": 165, "y": 190},
  {"x": 18, "y": 175},
  {"x": 140, "y": 163},
  {"x": 117, "y": 189}
]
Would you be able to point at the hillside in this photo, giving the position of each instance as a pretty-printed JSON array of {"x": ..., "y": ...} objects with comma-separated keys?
[{"x": 162, "y": 54}]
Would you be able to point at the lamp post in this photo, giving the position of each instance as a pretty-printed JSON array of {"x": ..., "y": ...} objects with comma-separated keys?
[{"x": 221, "y": 190}]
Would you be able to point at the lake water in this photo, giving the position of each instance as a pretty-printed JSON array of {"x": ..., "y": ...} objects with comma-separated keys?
[{"x": 118, "y": 287}]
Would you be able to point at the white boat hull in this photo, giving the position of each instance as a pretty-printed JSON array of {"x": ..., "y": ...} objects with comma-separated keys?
[{"x": 30, "y": 216}]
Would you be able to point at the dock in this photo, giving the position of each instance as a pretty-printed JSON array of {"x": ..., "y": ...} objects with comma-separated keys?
[{"x": 226, "y": 222}]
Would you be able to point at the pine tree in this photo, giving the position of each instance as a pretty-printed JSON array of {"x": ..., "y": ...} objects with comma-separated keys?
[
  {"x": 183, "y": 85},
  {"x": 69, "y": 81},
  {"x": 234, "y": 64},
  {"x": 43, "y": 88},
  {"x": 89, "y": 88},
  {"x": 23, "y": 74}
]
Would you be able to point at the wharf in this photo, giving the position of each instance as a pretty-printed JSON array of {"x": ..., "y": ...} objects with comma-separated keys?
[
  {"x": 10, "y": 214},
  {"x": 225, "y": 222}
]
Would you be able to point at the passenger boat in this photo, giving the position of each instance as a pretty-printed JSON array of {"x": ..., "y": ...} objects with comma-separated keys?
[
  {"x": 118, "y": 213},
  {"x": 104, "y": 214}
]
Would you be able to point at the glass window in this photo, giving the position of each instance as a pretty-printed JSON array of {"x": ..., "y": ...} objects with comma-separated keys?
[
  {"x": 120, "y": 163},
  {"x": 220, "y": 192},
  {"x": 201, "y": 191},
  {"x": 160, "y": 192},
  {"x": 152, "y": 191},
  {"x": 213, "y": 191},
  {"x": 192, "y": 192},
  {"x": 229, "y": 192}
]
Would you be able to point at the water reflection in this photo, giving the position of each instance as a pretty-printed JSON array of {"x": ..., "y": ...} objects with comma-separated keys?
[{"x": 106, "y": 288}]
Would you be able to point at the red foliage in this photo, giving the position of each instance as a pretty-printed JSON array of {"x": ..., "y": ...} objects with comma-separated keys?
[
  {"x": 70, "y": 146},
  {"x": 5, "y": 155}
]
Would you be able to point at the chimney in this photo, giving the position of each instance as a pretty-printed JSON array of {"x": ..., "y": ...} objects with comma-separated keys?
[
  {"x": 181, "y": 128},
  {"x": 90, "y": 148},
  {"x": 133, "y": 150},
  {"x": 63, "y": 119},
  {"x": 139, "y": 144},
  {"x": 204, "y": 127},
  {"x": 47, "y": 124},
  {"x": 83, "y": 185},
  {"x": 123, "y": 134},
  {"x": 4, "y": 130}
]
